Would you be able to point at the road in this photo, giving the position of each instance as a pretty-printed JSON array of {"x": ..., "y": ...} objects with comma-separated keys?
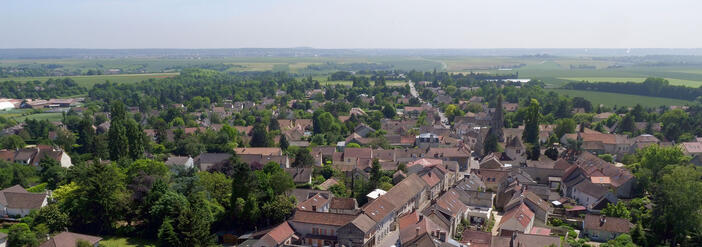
[{"x": 444, "y": 119}]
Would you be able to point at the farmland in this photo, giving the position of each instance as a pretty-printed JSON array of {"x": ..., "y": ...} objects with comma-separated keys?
[{"x": 612, "y": 99}]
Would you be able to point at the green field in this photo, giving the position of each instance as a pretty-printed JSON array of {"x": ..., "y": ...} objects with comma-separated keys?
[
  {"x": 90, "y": 80},
  {"x": 51, "y": 116},
  {"x": 612, "y": 99}
]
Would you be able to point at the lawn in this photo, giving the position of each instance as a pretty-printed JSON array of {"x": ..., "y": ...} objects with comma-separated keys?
[
  {"x": 89, "y": 80},
  {"x": 611, "y": 99},
  {"x": 51, "y": 116},
  {"x": 120, "y": 242}
]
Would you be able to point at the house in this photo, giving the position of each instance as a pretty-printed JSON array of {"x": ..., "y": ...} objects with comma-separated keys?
[
  {"x": 541, "y": 208},
  {"x": 16, "y": 201},
  {"x": 518, "y": 220},
  {"x": 317, "y": 203},
  {"x": 515, "y": 150},
  {"x": 383, "y": 213},
  {"x": 300, "y": 175},
  {"x": 184, "y": 161},
  {"x": 479, "y": 204},
  {"x": 620, "y": 179},
  {"x": 318, "y": 229},
  {"x": 459, "y": 154},
  {"x": 328, "y": 184},
  {"x": 526, "y": 239},
  {"x": 363, "y": 130},
  {"x": 599, "y": 143},
  {"x": 33, "y": 156},
  {"x": 588, "y": 194},
  {"x": 491, "y": 178},
  {"x": 602, "y": 228},
  {"x": 281, "y": 235},
  {"x": 691, "y": 148},
  {"x": 204, "y": 161},
  {"x": 343, "y": 205},
  {"x": 302, "y": 195},
  {"x": 70, "y": 239},
  {"x": 426, "y": 140},
  {"x": 358, "y": 232}
]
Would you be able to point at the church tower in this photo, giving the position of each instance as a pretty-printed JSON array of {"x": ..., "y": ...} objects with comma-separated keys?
[{"x": 498, "y": 120}]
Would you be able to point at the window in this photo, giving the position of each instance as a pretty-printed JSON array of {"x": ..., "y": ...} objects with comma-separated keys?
[{"x": 315, "y": 231}]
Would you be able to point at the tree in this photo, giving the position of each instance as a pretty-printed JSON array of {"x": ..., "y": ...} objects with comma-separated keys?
[
  {"x": 284, "y": 143},
  {"x": 52, "y": 173},
  {"x": 20, "y": 235},
  {"x": 12, "y": 142},
  {"x": 353, "y": 145},
  {"x": 490, "y": 143},
  {"x": 135, "y": 135},
  {"x": 52, "y": 217},
  {"x": 278, "y": 209},
  {"x": 339, "y": 190},
  {"x": 217, "y": 185},
  {"x": 552, "y": 153},
  {"x": 303, "y": 158},
  {"x": 167, "y": 235},
  {"x": 623, "y": 240},
  {"x": 380, "y": 81},
  {"x": 389, "y": 111},
  {"x": 86, "y": 135},
  {"x": 618, "y": 210},
  {"x": 259, "y": 137},
  {"x": 627, "y": 124},
  {"x": 564, "y": 126},
  {"x": 531, "y": 123},
  {"x": 533, "y": 151},
  {"x": 98, "y": 202},
  {"x": 677, "y": 205},
  {"x": 273, "y": 125}
]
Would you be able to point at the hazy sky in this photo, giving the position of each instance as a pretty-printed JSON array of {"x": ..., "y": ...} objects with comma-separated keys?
[{"x": 350, "y": 24}]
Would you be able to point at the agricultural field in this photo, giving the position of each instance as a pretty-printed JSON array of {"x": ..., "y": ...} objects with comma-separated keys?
[
  {"x": 612, "y": 99},
  {"x": 89, "y": 80}
]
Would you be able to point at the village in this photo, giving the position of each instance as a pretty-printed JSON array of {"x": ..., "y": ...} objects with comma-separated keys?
[{"x": 443, "y": 184}]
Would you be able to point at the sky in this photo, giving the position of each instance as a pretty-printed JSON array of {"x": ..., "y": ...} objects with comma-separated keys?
[{"x": 350, "y": 24}]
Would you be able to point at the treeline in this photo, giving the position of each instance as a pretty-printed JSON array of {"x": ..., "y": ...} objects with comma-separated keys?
[
  {"x": 349, "y": 66},
  {"x": 29, "y": 70},
  {"x": 51, "y": 88},
  {"x": 656, "y": 87}
]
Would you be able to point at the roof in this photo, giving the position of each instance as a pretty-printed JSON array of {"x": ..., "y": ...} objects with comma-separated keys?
[
  {"x": 378, "y": 209},
  {"x": 328, "y": 183},
  {"x": 363, "y": 223},
  {"x": 281, "y": 232},
  {"x": 692, "y": 147},
  {"x": 517, "y": 219},
  {"x": 300, "y": 175},
  {"x": 331, "y": 219},
  {"x": 69, "y": 239},
  {"x": 363, "y": 153},
  {"x": 591, "y": 164},
  {"x": 405, "y": 190},
  {"x": 314, "y": 202},
  {"x": 177, "y": 160},
  {"x": 302, "y": 195},
  {"x": 258, "y": 150},
  {"x": 343, "y": 203},
  {"x": 536, "y": 240},
  {"x": 24, "y": 200},
  {"x": 212, "y": 158},
  {"x": 540, "y": 231},
  {"x": 591, "y": 189},
  {"x": 609, "y": 224},
  {"x": 17, "y": 189},
  {"x": 451, "y": 203},
  {"x": 476, "y": 238},
  {"x": 453, "y": 152}
]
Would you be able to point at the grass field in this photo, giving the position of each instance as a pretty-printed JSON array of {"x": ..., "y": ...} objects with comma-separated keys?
[
  {"x": 51, "y": 116},
  {"x": 90, "y": 80},
  {"x": 612, "y": 99},
  {"x": 128, "y": 242}
]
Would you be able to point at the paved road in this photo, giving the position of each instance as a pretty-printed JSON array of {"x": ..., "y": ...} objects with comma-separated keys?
[{"x": 444, "y": 119}]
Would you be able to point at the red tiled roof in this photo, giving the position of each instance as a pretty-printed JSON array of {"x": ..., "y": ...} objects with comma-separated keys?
[
  {"x": 330, "y": 219},
  {"x": 281, "y": 232},
  {"x": 521, "y": 214}
]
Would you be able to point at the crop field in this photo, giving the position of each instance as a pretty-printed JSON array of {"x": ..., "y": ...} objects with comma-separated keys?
[
  {"x": 89, "y": 80},
  {"x": 673, "y": 81},
  {"x": 612, "y": 99}
]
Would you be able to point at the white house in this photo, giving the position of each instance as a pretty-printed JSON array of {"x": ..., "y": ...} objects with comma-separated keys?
[{"x": 16, "y": 201}]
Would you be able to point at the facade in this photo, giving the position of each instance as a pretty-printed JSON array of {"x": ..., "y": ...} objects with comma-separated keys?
[{"x": 603, "y": 228}]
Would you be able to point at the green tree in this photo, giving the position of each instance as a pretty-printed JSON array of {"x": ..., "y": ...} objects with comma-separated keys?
[
  {"x": 259, "y": 137},
  {"x": 531, "y": 123},
  {"x": 284, "y": 143},
  {"x": 52, "y": 217},
  {"x": 12, "y": 142},
  {"x": 618, "y": 210},
  {"x": 623, "y": 240},
  {"x": 677, "y": 205},
  {"x": 99, "y": 200},
  {"x": 564, "y": 126},
  {"x": 135, "y": 135},
  {"x": 389, "y": 111},
  {"x": 167, "y": 235},
  {"x": 303, "y": 158},
  {"x": 490, "y": 144},
  {"x": 52, "y": 173},
  {"x": 117, "y": 139},
  {"x": 20, "y": 235},
  {"x": 278, "y": 209}
]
